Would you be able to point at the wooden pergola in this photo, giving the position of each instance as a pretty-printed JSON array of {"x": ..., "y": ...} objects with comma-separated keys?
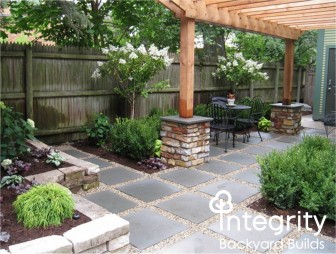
[{"x": 286, "y": 19}]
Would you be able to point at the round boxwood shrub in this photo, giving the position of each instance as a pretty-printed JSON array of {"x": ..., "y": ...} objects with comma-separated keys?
[{"x": 44, "y": 205}]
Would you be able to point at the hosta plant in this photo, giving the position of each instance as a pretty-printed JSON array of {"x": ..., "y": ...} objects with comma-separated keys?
[{"x": 55, "y": 158}]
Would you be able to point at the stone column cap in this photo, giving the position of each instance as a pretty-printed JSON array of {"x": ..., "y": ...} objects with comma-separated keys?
[
  {"x": 293, "y": 105},
  {"x": 192, "y": 120}
]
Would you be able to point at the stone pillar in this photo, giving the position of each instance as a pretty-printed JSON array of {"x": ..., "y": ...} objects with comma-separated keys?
[
  {"x": 286, "y": 119},
  {"x": 185, "y": 141}
]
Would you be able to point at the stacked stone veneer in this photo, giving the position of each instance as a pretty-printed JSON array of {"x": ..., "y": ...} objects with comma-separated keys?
[
  {"x": 286, "y": 119},
  {"x": 185, "y": 141},
  {"x": 83, "y": 175}
]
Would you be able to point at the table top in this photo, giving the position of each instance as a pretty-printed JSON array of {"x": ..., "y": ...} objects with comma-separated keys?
[{"x": 238, "y": 107}]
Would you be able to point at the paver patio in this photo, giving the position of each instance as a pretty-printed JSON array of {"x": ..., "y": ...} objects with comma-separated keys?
[{"x": 169, "y": 211}]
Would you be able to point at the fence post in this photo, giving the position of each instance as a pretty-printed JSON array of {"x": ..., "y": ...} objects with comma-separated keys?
[
  {"x": 276, "y": 85},
  {"x": 29, "y": 83}
]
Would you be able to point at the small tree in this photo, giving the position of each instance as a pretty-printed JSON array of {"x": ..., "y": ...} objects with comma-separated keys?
[
  {"x": 133, "y": 68},
  {"x": 238, "y": 70}
]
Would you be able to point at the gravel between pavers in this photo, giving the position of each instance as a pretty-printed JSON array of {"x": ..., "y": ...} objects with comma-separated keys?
[{"x": 191, "y": 227}]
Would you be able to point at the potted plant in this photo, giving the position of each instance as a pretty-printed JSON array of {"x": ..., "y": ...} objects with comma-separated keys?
[{"x": 238, "y": 71}]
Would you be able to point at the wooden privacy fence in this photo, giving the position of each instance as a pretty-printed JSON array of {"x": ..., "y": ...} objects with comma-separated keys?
[{"x": 53, "y": 86}]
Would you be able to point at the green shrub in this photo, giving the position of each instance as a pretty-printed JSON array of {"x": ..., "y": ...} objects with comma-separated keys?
[
  {"x": 303, "y": 175},
  {"x": 201, "y": 110},
  {"x": 264, "y": 124},
  {"x": 100, "y": 130},
  {"x": 13, "y": 132},
  {"x": 134, "y": 138},
  {"x": 44, "y": 205}
]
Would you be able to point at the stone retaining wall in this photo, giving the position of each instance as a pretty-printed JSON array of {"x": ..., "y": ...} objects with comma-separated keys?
[
  {"x": 106, "y": 234},
  {"x": 185, "y": 142},
  {"x": 83, "y": 175},
  {"x": 286, "y": 119}
]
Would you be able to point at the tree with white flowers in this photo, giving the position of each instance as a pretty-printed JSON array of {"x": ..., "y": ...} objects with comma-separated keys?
[
  {"x": 238, "y": 70},
  {"x": 133, "y": 68}
]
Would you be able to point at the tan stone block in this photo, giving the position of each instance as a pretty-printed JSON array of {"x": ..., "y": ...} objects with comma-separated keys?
[
  {"x": 88, "y": 186},
  {"x": 288, "y": 122},
  {"x": 73, "y": 172},
  {"x": 197, "y": 162},
  {"x": 170, "y": 142},
  {"x": 53, "y": 176},
  {"x": 183, "y": 163},
  {"x": 171, "y": 162}
]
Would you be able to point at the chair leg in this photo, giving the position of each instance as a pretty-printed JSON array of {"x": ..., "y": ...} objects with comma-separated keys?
[
  {"x": 233, "y": 144},
  {"x": 226, "y": 141},
  {"x": 259, "y": 134}
]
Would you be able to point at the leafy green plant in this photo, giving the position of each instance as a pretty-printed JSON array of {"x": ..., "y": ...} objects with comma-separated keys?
[
  {"x": 55, "y": 158},
  {"x": 264, "y": 124},
  {"x": 302, "y": 175},
  {"x": 201, "y": 110},
  {"x": 9, "y": 180},
  {"x": 44, "y": 205},
  {"x": 134, "y": 138},
  {"x": 13, "y": 132},
  {"x": 100, "y": 130},
  {"x": 157, "y": 148}
]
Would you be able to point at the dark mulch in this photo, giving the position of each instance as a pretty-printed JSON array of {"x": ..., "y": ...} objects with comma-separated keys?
[
  {"x": 18, "y": 233},
  {"x": 86, "y": 146},
  {"x": 264, "y": 206},
  {"x": 40, "y": 166}
]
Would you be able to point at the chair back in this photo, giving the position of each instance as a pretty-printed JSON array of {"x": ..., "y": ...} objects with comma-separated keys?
[
  {"x": 222, "y": 101},
  {"x": 219, "y": 114},
  {"x": 257, "y": 108}
]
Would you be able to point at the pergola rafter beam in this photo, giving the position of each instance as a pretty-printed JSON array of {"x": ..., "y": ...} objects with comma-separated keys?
[
  {"x": 292, "y": 11},
  {"x": 271, "y": 6}
]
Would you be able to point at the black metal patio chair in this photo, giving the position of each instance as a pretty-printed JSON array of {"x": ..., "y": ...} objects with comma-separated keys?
[
  {"x": 222, "y": 122},
  {"x": 252, "y": 119}
]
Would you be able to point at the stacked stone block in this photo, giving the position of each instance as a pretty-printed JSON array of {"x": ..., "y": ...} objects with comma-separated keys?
[
  {"x": 83, "y": 175},
  {"x": 185, "y": 142},
  {"x": 286, "y": 119}
]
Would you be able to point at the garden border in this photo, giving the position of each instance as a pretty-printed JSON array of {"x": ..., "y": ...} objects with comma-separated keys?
[{"x": 106, "y": 232}]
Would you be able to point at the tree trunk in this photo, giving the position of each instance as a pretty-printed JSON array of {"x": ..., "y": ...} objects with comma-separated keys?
[{"x": 132, "y": 104}]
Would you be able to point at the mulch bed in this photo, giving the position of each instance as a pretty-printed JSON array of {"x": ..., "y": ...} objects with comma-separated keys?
[
  {"x": 18, "y": 233},
  {"x": 40, "y": 166},
  {"x": 86, "y": 146},
  {"x": 264, "y": 206}
]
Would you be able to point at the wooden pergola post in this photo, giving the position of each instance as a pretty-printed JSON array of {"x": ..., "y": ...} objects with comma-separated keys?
[
  {"x": 186, "y": 101},
  {"x": 288, "y": 73}
]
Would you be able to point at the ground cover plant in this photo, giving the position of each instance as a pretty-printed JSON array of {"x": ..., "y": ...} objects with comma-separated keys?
[{"x": 303, "y": 175}]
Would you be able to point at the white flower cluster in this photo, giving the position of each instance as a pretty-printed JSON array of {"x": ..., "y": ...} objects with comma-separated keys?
[
  {"x": 31, "y": 123},
  {"x": 134, "y": 53},
  {"x": 235, "y": 65},
  {"x": 96, "y": 73},
  {"x": 6, "y": 163}
]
